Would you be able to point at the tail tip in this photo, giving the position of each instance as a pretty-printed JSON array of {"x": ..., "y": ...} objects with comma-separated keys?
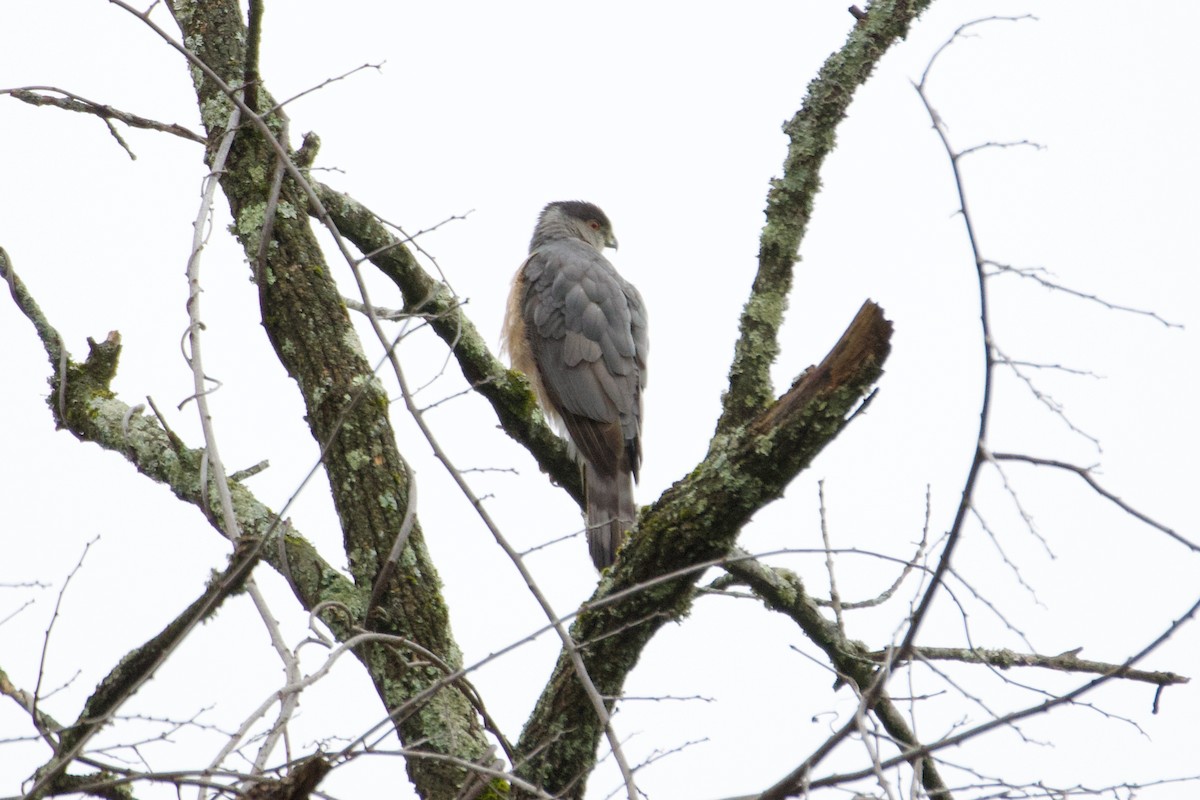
[{"x": 604, "y": 541}]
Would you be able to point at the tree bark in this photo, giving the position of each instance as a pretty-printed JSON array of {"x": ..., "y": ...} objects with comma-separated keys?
[
  {"x": 347, "y": 407},
  {"x": 694, "y": 524}
]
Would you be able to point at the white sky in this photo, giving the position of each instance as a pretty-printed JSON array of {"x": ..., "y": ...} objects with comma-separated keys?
[{"x": 668, "y": 117}]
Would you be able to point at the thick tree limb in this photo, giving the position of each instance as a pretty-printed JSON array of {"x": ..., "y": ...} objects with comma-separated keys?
[
  {"x": 510, "y": 397},
  {"x": 512, "y": 401},
  {"x": 698, "y": 519},
  {"x": 571, "y": 755},
  {"x": 83, "y": 403},
  {"x": 508, "y": 391},
  {"x": 347, "y": 407},
  {"x": 811, "y": 135},
  {"x": 89, "y": 410},
  {"x": 695, "y": 521}
]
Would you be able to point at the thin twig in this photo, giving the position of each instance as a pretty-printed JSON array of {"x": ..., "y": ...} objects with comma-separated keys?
[
  {"x": 835, "y": 599},
  {"x": 1035, "y": 274},
  {"x": 1086, "y": 474},
  {"x": 323, "y": 84},
  {"x": 41, "y": 671}
]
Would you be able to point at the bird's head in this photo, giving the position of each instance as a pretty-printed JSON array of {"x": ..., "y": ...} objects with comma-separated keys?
[{"x": 577, "y": 218}]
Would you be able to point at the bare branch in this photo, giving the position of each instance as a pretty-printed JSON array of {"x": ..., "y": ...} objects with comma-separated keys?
[
  {"x": 835, "y": 600},
  {"x": 47, "y": 333},
  {"x": 1035, "y": 275},
  {"x": 997, "y": 146},
  {"x": 968, "y": 490},
  {"x": 907, "y": 569},
  {"x": 1086, "y": 474},
  {"x": 73, "y": 102},
  {"x": 1063, "y": 662},
  {"x": 1045, "y": 399},
  {"x": 323, "y": 84}
]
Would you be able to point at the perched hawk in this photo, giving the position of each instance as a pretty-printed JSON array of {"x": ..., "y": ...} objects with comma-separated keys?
[{"x": 578, "y": 330}]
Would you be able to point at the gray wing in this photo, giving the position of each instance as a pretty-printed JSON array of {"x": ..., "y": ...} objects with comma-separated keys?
[
  {"x": 580, "y": 321},
  {"x": 641, "y": 345}
]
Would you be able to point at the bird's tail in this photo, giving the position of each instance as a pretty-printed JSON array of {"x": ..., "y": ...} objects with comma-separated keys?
[{"x": 611, "y": 512}]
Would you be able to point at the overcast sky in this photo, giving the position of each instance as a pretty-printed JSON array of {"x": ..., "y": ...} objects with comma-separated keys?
[{"x": 668, "y": 116}]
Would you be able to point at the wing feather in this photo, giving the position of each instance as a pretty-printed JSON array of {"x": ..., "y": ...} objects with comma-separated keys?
[{"x": 587, "y": 333}]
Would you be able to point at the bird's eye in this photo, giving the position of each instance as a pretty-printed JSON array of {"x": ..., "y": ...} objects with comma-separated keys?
[{"x": 594, "y": 225}]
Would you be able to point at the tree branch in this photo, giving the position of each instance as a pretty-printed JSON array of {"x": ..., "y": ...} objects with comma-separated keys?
[
  {"x": 694, "y": 522},
  {"x": 93, "y": 413},
  {"x": 73, "y": 102},
  {"x": 1086, "y": 475},
  {"x": 811, "y": 135},
  {"x": 517, "y": 409},
  {"x": 347, "y": 407},
  {"x": 1063, "y": 662},
  {"x": 784, "y": 592},
  {"x": 506, "y": 390},
  {"x": 511, "y": 399}
]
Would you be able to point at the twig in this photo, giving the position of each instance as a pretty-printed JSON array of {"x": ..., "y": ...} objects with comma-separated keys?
[
  {"x": 1035, "y": 275},
  {"x": 835, "y": 599},
  {"x": 905, "y": 571},
  {"x": 1008, "y": 562},
  {"x": 323, "y": 84},
  {"x": 407, "y": 238},
  {"x": 1086, "y": 474},
  {"x": 1055, "y": 407},
  {"x": 41, "y": 672}
]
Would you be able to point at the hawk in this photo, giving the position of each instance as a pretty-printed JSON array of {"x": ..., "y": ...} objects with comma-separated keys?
[{"x": 578, "y": 330}]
